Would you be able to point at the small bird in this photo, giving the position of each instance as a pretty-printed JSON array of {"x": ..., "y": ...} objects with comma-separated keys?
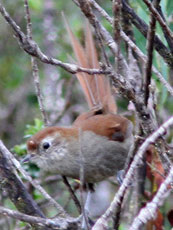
[{"x": 98, "y": 141}]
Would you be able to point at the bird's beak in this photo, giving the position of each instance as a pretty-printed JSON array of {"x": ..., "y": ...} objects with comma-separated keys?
[{"x": 26, "y": 159}]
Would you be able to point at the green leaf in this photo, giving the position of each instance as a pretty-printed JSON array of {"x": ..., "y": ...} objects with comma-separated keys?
[
  {"x": 19, "y": 149},
  {"x": 32, "y": 129}
]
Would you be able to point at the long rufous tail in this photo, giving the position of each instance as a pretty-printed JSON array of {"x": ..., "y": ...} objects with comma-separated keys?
[{"x": 96, "y": 87}]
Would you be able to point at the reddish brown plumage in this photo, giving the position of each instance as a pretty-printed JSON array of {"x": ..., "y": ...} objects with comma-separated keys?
[
  {"x": 104, "y": 125},
  {"x": 34, "y": 141}
]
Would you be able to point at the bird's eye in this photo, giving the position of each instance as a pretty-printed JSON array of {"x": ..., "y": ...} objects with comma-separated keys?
[{"x": 46, "y": 145}]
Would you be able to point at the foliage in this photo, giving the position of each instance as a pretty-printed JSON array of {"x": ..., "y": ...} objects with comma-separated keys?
[{"x": 20, "y": 150}]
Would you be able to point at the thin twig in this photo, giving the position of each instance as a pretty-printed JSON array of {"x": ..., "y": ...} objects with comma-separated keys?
[
  {"x": 58, "y": 223},
  {"x": 35, "y": 71},
  {"x": 74, "y": 197},
  {"x": 117, "y": 5},
  {"x": 150, "y": 49},
  {"x": 117, "y": 29},
  {"x": 167, "y": 37}
]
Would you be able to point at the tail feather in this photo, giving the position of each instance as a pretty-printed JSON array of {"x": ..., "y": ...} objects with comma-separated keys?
[
  {"x": 82, "y": 61},
  {"x": 96, "y": 87}
]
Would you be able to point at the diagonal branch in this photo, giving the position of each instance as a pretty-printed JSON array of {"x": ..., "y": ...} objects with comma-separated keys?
[{"x": 58, "y": 223}]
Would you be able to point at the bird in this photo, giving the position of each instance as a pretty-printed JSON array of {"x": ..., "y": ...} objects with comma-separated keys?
[{"x": 98, "y": 142}]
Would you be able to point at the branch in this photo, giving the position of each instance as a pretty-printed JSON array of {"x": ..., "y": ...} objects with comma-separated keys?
[
  {"x": 72, "y": 193},
  {"x": 117, "y": 29},
  {"x": 150, "y": 48},
  {"x": 31, "y": 47},
  {"x": 58, "y": 223},
  {"x": 35, "y": 72},
  {"x": 149, "y": 211},
  {"x": 103, "y": 220},
  {"x": 117, "y": 9},
  {"x": 168, "y": 38}
]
